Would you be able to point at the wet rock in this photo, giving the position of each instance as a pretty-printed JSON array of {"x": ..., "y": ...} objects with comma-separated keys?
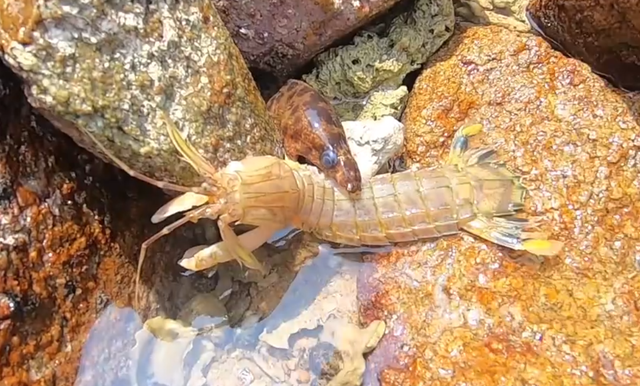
[
  {"x": 364, "y": 79},
  {"x": 54, "y": 246},
  {"x": 352, "y": 343},
  {"x": 505, "y": 13},
  {"x": 373, "y": 143},
  {"x": 324, "y": 362},
  {"x": 111, "y": 335},
  {"x": 8, "y": 306},
  {"x": 312, "y": 336},
  {"x": 106, "y": 70},
  {"x": 311, "y": 299},
  {"x": 159, "y": 351},
  {"x": 205, "y": 309},
  {"x": 602, "y": 33},
  {"x": 69, "y": 238},
  {"x": 302, "y": 29},
  {"x": 462, "y": 310}
]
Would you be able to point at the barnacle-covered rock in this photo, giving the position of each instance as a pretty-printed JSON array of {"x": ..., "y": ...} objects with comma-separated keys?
[
  {"x": 463, "y": 310},
  {"x": 602, "y": 33},
  {"x": 370, "y": 71},
  {"x": 108, "y": 68}
]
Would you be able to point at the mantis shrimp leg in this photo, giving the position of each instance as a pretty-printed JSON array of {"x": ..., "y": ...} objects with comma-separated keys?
[{"x": 191, "y": 216}]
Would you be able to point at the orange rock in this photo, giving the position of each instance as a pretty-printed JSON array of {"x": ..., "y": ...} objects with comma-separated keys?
[
  {"x": 71, "y": 228},
  {"x": 462, "y": 310}
]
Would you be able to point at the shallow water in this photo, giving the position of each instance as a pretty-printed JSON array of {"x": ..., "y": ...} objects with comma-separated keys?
[{"x": 121, "y": 351}]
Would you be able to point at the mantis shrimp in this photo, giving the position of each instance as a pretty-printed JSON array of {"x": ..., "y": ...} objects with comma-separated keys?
[{"x": 473, "y": 192}]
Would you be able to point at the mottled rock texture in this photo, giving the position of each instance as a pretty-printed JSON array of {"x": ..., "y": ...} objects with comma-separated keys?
[
  {"x": 602, "y": 33},
  {"x": 70, "y": 231},
  {"x": 365, "y": 78},
  {"x": 108, "y": 68},
  {"x": 461, "y": 310},
  {"x": 279, "y": 37},
  {"x": 506, "y": 13}
]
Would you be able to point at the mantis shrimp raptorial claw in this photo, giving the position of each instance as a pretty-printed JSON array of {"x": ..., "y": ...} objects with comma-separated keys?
[
  {"x": 234, "y": 245},
  {"x": 203, "y": 257}
]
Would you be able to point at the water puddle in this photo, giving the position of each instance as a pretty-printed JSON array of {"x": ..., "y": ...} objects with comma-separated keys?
[{"x": 311, "y": 337}]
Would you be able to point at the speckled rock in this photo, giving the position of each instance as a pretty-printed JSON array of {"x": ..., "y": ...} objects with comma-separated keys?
[
  {"x": 364, "y": 79},
  {"x": 464, "y": 311},
  {"x": 505, "y": 13},
  {"x": 107, "y": 69},
  {"x": 281, "y": 45},
  {"x": 70, "y": 231},
  {"x": 602, "y": 33}
]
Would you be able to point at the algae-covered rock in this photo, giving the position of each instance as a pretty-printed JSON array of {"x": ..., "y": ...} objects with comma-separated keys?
[
  {"x": 378, "y": 64},
  {"x": 107, "y": 68},
  {"x": 463, "y": 310}
]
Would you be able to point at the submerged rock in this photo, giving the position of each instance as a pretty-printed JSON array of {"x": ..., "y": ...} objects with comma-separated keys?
[
  {"x": 281, "y": 45},
  {"x": 106, "y": 69},
  {"x": 311, "y": 337},
  {"x": 463, "y": 310},
  {"x": 602, "y": 33}
]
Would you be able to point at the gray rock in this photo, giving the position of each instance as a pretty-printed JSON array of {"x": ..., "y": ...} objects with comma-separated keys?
[
  {"x": 506, "y": 13},
  {"x": 106, "y": 69}
]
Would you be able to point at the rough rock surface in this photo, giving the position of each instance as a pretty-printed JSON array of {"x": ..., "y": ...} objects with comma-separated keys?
[
  {"x": 364, "y": 79},
  {"x": 311, "y": 337},
  {"x": 107, "y": 68},
  {"x": 505, "y": 13},
  {"x": 281, "y": 45},
  {"x": 602, "y": 33},
  {"x": 70, "y": 231},
  {"x": 374, "y": 143},
  {"x": 464, "y": 311}
]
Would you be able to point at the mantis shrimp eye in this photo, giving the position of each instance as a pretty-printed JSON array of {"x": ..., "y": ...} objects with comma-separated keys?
[{"x": 329, "y": 159}]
